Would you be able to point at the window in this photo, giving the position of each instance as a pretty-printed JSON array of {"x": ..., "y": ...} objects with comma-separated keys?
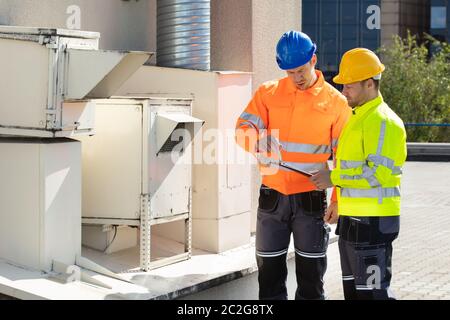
[{"x": 438, "y": 17}]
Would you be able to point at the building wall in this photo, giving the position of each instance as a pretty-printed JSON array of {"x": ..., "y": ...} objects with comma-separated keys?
[
  {"x": 338, "y": 26},
  {"x": 270, "y": 20},
  {"x": 244, "y": 34},
  {"x": 399, "y": 16},
  {"x": 124, "y": 25},
  {"x": 231, "y": 35}
]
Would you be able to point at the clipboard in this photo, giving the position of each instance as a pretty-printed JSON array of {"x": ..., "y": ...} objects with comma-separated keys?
[
  {"x": 276, "y": 145},
  {"x": 305, "y": 173}
]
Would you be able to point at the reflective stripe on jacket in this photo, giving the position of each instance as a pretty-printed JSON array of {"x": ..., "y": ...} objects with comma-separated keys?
[
  {"x": 370, "y": 157},
  {"x": 309, "y": 124}
]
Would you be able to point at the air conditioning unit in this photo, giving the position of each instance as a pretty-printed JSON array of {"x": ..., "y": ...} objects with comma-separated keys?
[
  {"x": 51, "y": 76},
  {"x": 50, "y": 80},
  {"x": 137, "y": 169}
]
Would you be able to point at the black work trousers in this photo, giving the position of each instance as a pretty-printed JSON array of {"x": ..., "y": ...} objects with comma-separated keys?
[
  {"x": 365, "y": 247},
  {"x": 279, "y": 217}
]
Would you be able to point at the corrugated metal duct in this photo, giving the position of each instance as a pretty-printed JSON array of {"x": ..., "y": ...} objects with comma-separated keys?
[{"x": 184, "y": 34}]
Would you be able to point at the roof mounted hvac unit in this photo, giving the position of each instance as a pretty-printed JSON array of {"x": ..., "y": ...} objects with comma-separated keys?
[
  {"x": 170, "y": 130},
  {"x": 157, "y": 186},
  {"x": 52, "y": 75}
]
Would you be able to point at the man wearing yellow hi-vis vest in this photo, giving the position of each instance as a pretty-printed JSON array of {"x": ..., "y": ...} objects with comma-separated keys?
[{"x": 370, "y": 155}]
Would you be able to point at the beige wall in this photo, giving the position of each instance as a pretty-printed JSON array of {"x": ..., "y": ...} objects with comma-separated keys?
[
  {"x": 244, "y": 34},
  {"x": 270, "y": 20},
  {"x": 124, "y": 25},
  {"x": 231, "y": 35},
  {"x": 243, "y": 37},
  {"x": 390, "y": 14},
  {"x": 221, "y": 191}
]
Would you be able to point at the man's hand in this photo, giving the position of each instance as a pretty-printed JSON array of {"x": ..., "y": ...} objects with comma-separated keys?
[
  {"x": 263, "y": 159},
  {"x": 332, "y": 214},
  {"x": 322, "y": 179}
]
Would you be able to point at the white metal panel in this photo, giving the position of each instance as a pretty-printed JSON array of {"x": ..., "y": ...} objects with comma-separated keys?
[
  {"x": 20, "y": 132},
  {"x": 98, "y": 74},
  {"x": 234, "y": 92},
  {"x": 167, "y": 122},
  {"x": 61, "y": 180},
  {"x": 19, "y": 30},
  {"x": 24, "y": 83},
  {"x": 203, "y": 86},
  {"x": 170, "y": 179},
  {"x": 112, "y": 162},
  {"x": 80, "y": 43},
  {"x": 71, "y": 39},
  {"x": 79, "y": 115},
  {"x": 20, "y": 223},
  {"x": 40, "y": 191},
  {"x": 39, "y": 73},
  {"x": 170, "y": 186},
  {"x": 109, "y": 240},
  {"x": 211, "y": 197}
]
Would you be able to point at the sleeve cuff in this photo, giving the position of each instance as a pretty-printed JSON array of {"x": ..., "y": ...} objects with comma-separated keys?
[{"x": 334, "y": 195}]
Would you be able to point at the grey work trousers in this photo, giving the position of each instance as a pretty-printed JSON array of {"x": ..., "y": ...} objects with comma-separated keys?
[
  {"x": 365, "y": 247},
  {"x": 279, "y": 216}
]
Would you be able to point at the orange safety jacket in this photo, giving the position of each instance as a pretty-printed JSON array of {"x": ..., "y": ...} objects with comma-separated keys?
[{"x": 309, "y": 123}]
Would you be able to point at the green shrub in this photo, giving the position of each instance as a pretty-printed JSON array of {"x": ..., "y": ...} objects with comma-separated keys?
[{"x": 416, "y": 85}]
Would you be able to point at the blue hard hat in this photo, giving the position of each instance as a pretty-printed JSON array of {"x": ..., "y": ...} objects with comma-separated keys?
[{"x": 294, "y": 50}]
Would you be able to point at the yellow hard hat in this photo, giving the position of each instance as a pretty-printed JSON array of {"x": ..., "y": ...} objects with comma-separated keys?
[{"x": 357, "y": 65}]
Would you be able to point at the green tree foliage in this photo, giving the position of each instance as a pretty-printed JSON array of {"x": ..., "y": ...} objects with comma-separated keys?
[{"x": 416, "y": 85}]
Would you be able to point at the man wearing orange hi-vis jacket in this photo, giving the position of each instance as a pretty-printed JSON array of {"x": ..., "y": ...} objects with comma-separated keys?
[
  {"x": 368, "y": 171},
  {"x": 292, "y": 126}
]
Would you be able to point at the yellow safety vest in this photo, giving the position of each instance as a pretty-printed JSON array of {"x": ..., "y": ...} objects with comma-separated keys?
[{"x": 371, "y": 153}]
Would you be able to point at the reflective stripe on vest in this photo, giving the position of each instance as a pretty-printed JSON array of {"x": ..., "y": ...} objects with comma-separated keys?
[
  {"x": 386, "y": 162},
  {"x": 378, "y": 159},
  {"x": 351, "y": 164},
  {"x": 348, "y": 164},
  {"x": 370, "y": 193},
  {"x": 253, "y": 119},
  {"x": 305, "y": 148},
  {"x": 368, "y": 174}
]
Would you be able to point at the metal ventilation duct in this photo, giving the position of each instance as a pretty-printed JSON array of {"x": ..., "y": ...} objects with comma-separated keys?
[{"x": 184, "y": 34}]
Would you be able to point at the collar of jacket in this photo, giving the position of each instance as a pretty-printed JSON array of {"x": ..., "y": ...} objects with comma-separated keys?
[
  {"x": 361, "y": 110},
  {"x": 314, "y": 90}
]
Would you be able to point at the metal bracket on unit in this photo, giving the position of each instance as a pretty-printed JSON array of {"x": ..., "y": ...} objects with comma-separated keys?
[
  {"x": 51, "y": 43},
  {"x": 188, "y": 227},
  {"x": 107, "y": 228},
  {"x": 145, "y": 233},
  {"x": 51, "y": 118},
  {"x": 43, "y": 40},
  {"x": 73, "y": 126}
]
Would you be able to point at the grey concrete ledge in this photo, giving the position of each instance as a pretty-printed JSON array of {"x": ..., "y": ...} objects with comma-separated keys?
[
  {"x": 246, "y": 271},
  {"x": 428, "y": 151}
]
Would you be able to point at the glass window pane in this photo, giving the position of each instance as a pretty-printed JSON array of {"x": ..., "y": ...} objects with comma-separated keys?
[
  {"x": 370, "y": 44},
  {"x": 309, "y": 12},
  {"x": 348, "y": 45},
  {"x": 350, "y": 32},
  {"x": 438, "y": 18},
  {"x": 329, "y": 13},
  {"x": 329, "y": 62},
  {"x": 349, "y": 12}
]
